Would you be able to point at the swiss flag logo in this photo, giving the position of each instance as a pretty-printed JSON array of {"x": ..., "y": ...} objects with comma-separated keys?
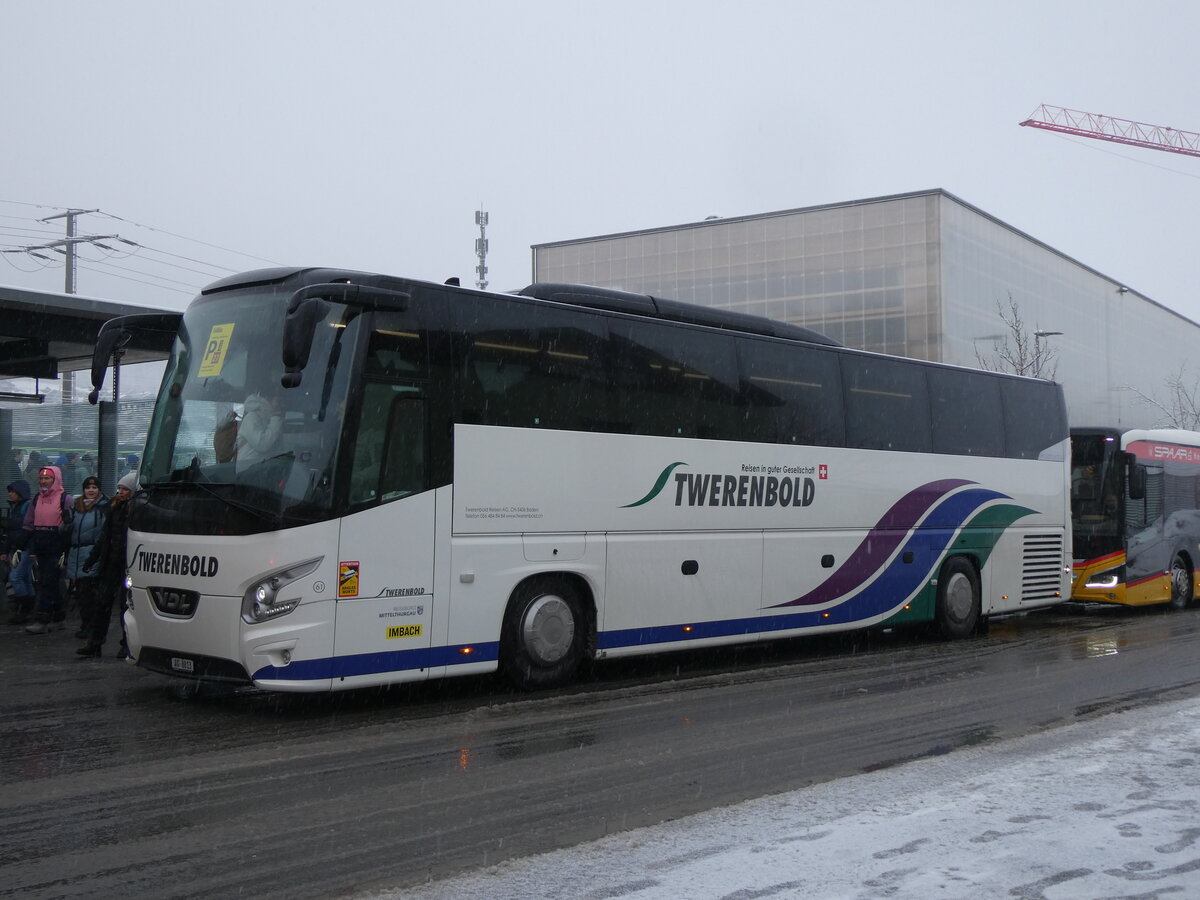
[{"x": 823, "y": 472}]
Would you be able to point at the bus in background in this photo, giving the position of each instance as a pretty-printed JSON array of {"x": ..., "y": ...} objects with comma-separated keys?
[
  {"x": 1135, "y": 507},
  {"x": 354, "y": 480}
]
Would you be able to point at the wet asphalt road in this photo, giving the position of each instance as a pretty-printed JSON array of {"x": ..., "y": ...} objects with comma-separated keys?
[{"x": 116, "y": 782}]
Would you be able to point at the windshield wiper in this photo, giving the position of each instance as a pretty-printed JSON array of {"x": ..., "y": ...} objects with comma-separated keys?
[{"x": 211, "y": 488}]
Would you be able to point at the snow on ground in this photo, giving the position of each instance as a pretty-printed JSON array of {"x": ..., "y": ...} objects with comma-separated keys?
[{"x": 1107, "y": 808}]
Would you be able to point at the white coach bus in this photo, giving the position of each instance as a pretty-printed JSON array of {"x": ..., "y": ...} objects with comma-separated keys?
[{"x": 353, "y": 480}]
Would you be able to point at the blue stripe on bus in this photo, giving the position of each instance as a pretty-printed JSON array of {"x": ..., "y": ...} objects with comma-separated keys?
[
  {"x": 384, "y": 661},
  {"x": 877, "y": 599}
]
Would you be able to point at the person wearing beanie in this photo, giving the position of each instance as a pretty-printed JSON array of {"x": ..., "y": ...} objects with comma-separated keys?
[
  {"x": 91, "y": 511},
  {"x": 107, "y": 560}
]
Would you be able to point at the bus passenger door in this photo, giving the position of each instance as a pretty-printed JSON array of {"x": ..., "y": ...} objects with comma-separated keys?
[{"x": 386, "y": 549}]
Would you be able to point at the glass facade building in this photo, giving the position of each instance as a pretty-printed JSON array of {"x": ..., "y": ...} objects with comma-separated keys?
[{"x": 923, "y": 275}]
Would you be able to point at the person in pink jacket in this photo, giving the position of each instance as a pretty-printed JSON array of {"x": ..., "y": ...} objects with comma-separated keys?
[{"x": 45, "y": 518}]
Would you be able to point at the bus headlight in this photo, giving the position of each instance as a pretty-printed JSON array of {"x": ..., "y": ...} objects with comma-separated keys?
[
  {"x": 262, "y": 600},
  {"x": 1103, "y": 581}
]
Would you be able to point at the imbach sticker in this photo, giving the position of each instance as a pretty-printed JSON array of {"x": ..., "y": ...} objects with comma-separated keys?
[{"x": 403, "y": 631}]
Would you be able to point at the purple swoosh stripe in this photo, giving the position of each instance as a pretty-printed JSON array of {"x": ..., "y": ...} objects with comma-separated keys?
[{"x": 880, "y": 542}]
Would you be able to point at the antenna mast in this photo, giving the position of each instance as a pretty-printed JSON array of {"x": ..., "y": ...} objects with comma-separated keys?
[{"x": 481, "y": 248}]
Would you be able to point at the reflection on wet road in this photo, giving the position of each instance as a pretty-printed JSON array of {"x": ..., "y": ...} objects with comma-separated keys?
[{"x": 114, "y": 781}]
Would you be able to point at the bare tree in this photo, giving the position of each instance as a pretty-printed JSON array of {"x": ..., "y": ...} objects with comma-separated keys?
[
  {"x": 1022, "y": 352},
  {"x": 1181, "y": 408}
]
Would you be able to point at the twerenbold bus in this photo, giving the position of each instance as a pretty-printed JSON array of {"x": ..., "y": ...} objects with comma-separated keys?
[
  {"x": 353, "y": 479},
  {"x": 1135, "y": 502}
]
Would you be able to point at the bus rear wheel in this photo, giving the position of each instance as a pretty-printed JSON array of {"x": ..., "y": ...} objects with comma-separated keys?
[
  {"x": 958, "y": 602},
  {"x": 1181, "y": 582},
  {"x": 545, "y": 633}
]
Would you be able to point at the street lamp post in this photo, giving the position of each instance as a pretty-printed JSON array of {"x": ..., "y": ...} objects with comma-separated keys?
[{"x": 1037, "y": 349}]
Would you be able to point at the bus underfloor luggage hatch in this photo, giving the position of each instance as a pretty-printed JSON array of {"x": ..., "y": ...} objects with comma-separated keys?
[
  {"x": 385, "y": 593},
  {"x": 679, "y": 590}
]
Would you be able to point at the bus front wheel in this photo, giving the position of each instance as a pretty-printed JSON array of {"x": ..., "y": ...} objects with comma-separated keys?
[
  {"x": 544, "y": 635},
  {"x": 1181, "y": 582},
  {"x": 958, "y": 600}
]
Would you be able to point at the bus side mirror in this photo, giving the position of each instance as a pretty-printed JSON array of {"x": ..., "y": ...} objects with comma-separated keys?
[
  {"x": 309, "y": 306},
  {"x": 299, "y": 326},
  {"x": 1137, "y": 478},
  {"x": 154, "y": 331},
  {"x": 107, "y": 342}
]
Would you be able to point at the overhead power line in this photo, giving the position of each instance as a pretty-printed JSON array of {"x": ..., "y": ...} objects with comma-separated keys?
[
  {"x": 193, "y": 240},
  {"x": 38, "y": 244}
]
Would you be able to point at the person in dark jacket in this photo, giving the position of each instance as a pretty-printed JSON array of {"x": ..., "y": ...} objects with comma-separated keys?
[
  {"x": 12, "y": 544},
  {"x": 91, "y": 510},
  {"x": 108, "y": 557}
]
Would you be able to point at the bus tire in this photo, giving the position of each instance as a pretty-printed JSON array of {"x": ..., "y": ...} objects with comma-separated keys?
[
  {"x": 959, "y": 605},
  {"x": 544, "y": 635},
  {"x": 1181, "y": 582}
]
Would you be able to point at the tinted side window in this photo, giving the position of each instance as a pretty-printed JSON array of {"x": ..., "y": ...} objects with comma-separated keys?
[
  {"x": 1034, "y": 416},
  {"x": 793, "y": 394},
  {"x": 674, "y": 381},
  {"x": 1140, "y": 514},
  {"x": 967, "y": 414},
  {"x": 887, "y": 404},
  {"x": 398, "y": 347},
  {"x": 530, "y": 366}
]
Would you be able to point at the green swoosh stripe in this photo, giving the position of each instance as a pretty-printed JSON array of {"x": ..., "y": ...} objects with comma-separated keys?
[
  {"x": 993, "y": 522},
  {"x": 658, "y": 485}
]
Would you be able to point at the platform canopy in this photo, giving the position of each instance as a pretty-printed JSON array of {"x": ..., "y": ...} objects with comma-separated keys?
[{"x": 43, "y": 334}]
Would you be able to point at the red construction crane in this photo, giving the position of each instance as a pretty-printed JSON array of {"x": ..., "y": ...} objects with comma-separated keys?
[{"x": 1119, "y": 131}]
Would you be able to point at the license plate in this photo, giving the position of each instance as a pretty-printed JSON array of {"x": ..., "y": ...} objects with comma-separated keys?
[{"x": 182, "y": 665}]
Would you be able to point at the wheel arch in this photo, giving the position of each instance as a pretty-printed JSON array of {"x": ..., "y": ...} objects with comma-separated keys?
[{"x": 576, "y": 580}]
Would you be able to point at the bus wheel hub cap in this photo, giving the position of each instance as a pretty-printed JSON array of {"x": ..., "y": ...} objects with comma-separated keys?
[
  {"x": 958, "y": 598},
  {"x": 548, "y": 629}
]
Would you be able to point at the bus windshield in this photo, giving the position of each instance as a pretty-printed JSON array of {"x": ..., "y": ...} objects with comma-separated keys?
[
  {"x": 1096, "y": 494},
  {"x": 229, "y": 450}
]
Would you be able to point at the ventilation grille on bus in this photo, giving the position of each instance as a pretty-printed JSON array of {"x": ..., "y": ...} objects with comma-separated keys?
[{"x": 1042, "y": 570}]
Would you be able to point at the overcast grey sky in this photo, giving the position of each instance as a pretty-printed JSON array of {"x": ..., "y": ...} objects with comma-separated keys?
[{"x": 366, "y": 133}]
